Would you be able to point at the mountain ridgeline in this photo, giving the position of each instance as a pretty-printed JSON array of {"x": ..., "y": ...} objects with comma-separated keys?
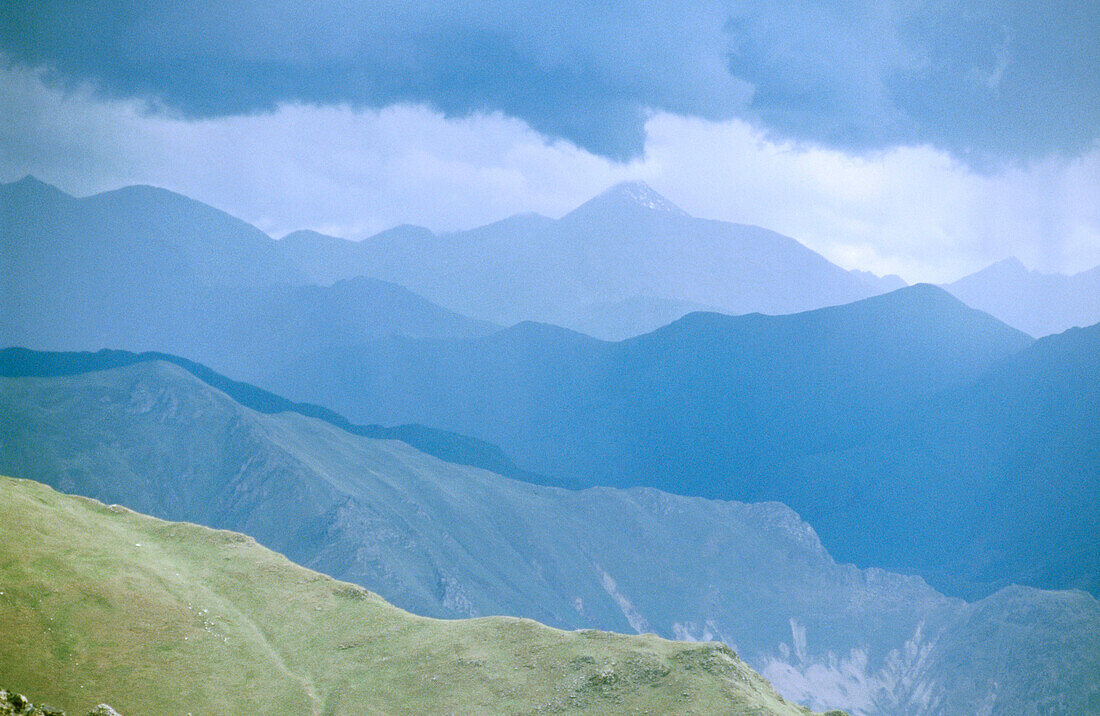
[
  {"x": 802, "y": 409},
  {"x": 1039, "y": 304},
  {"x": 623, "y": 263},
  {"x": 442, "y": 391},
  {"x": 447, "y": 540},
  {"x": 741, "y": 388},
  {"x": 145, "y": 269},
  {"x": 448, "y": 446},
  {"x": 192, "y": 620}
]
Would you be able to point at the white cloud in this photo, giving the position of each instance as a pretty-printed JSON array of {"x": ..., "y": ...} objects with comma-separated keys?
[
  {"x": 912, "y": 211},
  {"x": 349, "y": 172}
]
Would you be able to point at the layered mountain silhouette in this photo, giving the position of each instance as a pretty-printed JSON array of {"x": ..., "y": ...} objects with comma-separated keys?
[
  {"x": 145, "y": 269},
  {"x": 749, "y": 385},
  {"x": 131, "y": 233},
  {"x": 121, "y": 265},
  {"x": 619, "y": 265},
  {"x": 447, "y": 446},
  {"x": 832, "y": 412},
  {"x": 448, "y": 540},
  {"x": 624, "y": 263},
  {"x": 1037, "y": 303},
  {"x": 915, "y": 432}
]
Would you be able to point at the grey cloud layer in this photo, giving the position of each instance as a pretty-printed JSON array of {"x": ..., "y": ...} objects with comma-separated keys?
[
  {"x": 984, "y": 80},
  {"x": 1011, "y": 81}
]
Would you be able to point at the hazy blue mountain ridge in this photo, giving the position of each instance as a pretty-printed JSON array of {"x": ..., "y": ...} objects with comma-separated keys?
[
  {"x": 871, "y": 419},
  {"x": 915, "y": 433},
  {"x": 1039, "y": 304},
  {"x": 447, "y": 540},
  {"x": 737, "y": 390},
  {"x": 447, "y": 446},
  {"x": 994, "y": 481},
  {"x": 143, "y": 269},
  {"x": 146, "y": 269},
  {"x": 621, "y": 264}
]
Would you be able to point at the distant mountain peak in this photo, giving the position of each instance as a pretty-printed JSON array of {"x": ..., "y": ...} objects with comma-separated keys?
[
  {"x": 308, "y": 235},
  {"x": 1003, "y": 270},
  {"x": 540, "y": 332},
  {"x": 643, "y": 194},
  {"x": 628, "y": 196},
  {"x": 1011, "y": 262},
  {"x": 403, "y": 232},
  {"x": 1009, "y": 266},
  {"x": 29, "y": 180},
  {"x": 30, "y": 186},
  {"x": 889, "y": 282},
  {"x": 927, "y": 296}
]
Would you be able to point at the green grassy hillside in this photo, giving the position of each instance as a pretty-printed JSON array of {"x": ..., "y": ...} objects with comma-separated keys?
[{"x": 98, "y": 604}]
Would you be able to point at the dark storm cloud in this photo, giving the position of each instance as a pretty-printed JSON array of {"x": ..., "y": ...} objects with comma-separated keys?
[
  {"x": 1011, "y": 81},
  {"x": 983, "y": 80}
]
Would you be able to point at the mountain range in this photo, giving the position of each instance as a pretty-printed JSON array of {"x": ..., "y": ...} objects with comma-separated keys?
[
  {"x": 711, "y": 384},
  {"x": 448, "y": 540},
  {"x": 883, "y": 422},
  {"x": 623, "y": 263},
  {"x": 564, "y": 403},
  {"x": 192, "y": 620},
  {"x": 146, "y": 269},
  {"x": 1039, "y": 304},
  {"x": 448, "y": 446}
]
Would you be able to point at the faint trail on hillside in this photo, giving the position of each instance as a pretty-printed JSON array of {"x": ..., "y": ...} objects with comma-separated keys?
[{"x": 316, "y": 702}]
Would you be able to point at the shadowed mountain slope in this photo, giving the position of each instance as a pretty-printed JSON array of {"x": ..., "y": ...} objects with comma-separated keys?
[
  {"x": 991, "y": 482},
  {"x": 731, "y": 407},
  {"x": 447, "y": 540},
  {"x": 722, "y": 394},
  {"x": 447, "y": 446}
]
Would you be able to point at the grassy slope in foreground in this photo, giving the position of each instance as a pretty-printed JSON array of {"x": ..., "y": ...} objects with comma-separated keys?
[{"x": 100, "y": 603}]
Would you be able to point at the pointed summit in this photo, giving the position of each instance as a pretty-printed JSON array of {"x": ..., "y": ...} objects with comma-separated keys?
[
  {"x": 642, "y": 194},
  {"x": 1012, "y": 262},
  {"x": 30, "y": 181},
  {"x": 29, "y": 187},
  {"x": 628, "y": 197},
  {"x": 1009, "y": 267}
]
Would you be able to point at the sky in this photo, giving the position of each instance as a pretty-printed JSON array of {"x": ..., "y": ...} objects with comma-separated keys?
[{"x": 927, "y": 139}]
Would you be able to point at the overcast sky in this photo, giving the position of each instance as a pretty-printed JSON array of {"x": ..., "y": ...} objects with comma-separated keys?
[{"x": 922, "y": 138}]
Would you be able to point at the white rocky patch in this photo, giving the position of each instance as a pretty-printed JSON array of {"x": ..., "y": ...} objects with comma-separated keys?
[
  {"x": 850, "y": 682},
  {"x": 641, "y": 194},
  {"x": 633, "y": 617}
]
